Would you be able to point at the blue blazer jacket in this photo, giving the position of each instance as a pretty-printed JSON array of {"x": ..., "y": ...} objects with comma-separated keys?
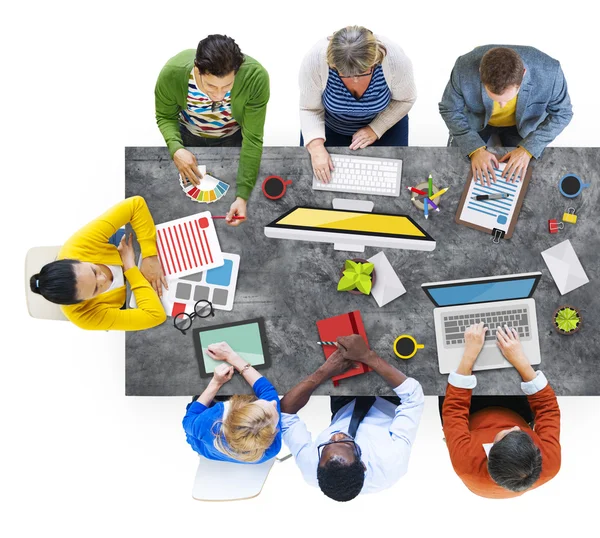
[{"x": 543, "y": 103}]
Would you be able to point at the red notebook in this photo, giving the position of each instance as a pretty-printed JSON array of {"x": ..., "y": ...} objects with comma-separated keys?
[{"x": 344, "y": 325}]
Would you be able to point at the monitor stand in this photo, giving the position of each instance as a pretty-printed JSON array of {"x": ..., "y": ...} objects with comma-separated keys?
[{"x": 345, "y": 204}]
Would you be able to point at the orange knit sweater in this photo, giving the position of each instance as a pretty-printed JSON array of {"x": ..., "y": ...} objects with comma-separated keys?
[{"x": 466, "y": 434}]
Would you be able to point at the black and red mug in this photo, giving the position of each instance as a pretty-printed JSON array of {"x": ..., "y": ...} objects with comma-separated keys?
[{"x": 274, "y": 187}]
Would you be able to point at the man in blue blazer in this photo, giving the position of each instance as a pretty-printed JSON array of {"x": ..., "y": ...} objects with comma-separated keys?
[{"x": 518, "y": 93}]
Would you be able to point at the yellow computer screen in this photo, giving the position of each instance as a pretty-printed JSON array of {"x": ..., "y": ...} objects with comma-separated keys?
[{"x": 348, "y": 221}]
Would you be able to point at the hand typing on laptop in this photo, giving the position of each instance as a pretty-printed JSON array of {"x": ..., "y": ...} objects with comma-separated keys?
[
  {"x": 474, "y": 340},
  {"x": 508, "y": 342},
  {"x": 510, "y": 346}
]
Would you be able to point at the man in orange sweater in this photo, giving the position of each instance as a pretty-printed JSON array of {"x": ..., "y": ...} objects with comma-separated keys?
[{"x": 494, "y": 451}]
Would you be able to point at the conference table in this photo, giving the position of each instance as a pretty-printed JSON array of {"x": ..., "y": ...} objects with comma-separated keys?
[{"x": 292, "y": 284}]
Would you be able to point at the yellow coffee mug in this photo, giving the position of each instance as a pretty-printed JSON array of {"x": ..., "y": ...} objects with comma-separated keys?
[{"x": 405, "y": 346}]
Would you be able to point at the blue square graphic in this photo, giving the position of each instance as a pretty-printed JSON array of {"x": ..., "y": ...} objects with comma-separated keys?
[{"x": 220, "y": 276}]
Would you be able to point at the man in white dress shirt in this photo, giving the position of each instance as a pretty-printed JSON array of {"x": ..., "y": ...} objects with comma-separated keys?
[{"x": 367, "y": 446}]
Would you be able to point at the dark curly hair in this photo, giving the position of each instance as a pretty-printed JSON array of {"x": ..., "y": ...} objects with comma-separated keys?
[
  {"x": 515, "y": 462},
  {"x": 341, "y": 482}
]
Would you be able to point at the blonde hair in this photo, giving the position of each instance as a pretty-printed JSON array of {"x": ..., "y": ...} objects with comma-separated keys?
[
  {"x": 354, "y": 50},
  {"x": 247, "y": 430}
]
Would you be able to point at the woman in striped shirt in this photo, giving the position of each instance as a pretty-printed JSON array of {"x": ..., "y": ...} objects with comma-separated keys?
[{"x": 355, "y": 90}]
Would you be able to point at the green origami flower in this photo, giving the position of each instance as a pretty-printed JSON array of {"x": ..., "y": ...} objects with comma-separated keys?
[
  {"x": 356, "y": 276},
  {"x": 567, "y": 319}
]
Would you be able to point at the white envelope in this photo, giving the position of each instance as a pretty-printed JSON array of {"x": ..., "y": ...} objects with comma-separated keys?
[
  {"x": 387, "y": 284},
  {"x": 565, "y": 267}
]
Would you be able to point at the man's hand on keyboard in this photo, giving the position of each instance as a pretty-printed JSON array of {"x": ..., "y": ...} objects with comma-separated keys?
[
  {"x": 320, "y": 159},
  {"x": 362, "y": 138},
  {"x": 474, "y": 340},
  {"x": 510, "y": 346}
]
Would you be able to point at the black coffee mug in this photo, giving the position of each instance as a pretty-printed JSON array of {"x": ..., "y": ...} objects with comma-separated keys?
[
  {"x": 405, "y": 346},
  {"x": 571, "y": 186},
  {"x": 274, "y": 187}
]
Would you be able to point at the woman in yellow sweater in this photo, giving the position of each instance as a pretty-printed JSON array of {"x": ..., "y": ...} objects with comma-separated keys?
[{"x": 88, "y": 277}]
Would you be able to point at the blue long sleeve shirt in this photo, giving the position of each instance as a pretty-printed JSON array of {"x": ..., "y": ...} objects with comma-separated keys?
[{"x": 199, "y": 420}]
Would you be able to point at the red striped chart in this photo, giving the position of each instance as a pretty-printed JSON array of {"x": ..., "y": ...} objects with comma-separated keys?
[{"x": 188, "y": 245}]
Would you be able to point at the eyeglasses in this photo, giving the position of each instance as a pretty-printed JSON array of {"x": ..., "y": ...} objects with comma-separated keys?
[
  {"x": 202, "y": 309},
  {"x": 355, "y": 76},
  {"x": 357, "y": 450},
  {"x": 216, "y": 105}
]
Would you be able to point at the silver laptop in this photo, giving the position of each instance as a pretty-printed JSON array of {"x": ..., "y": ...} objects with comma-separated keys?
[{"x": 497, "y": 300}]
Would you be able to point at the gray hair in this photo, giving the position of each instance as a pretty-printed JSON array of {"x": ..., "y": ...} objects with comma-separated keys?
[{"x": 354, "y": 50}]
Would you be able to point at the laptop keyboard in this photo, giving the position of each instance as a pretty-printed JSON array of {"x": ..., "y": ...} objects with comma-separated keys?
[{"x": 456, "y": 325}]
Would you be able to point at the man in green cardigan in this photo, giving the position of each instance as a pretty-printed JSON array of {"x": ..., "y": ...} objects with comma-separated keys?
[{"x": 214, "y": 96}]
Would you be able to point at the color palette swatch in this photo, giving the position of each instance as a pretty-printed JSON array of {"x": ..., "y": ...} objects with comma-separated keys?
[
  {"x": 210, "y": 189},
  {"x": 188, "y": 245}
]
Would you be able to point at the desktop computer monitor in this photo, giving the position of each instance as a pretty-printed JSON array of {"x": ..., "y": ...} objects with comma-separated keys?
[{"x": 384, "y": 230}]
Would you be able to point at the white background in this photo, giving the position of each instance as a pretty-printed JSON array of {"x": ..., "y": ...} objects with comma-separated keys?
[{"x": 81, "y": 459}]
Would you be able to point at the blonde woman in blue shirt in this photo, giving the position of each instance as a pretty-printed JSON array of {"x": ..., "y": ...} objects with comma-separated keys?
[{"x": 245, "y": 429}]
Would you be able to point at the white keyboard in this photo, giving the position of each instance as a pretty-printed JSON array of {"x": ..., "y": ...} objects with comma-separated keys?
[{"x": 363, "y": 175}]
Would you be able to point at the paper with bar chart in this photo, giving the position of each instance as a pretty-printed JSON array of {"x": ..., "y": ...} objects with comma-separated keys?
[{"x": 188, "y": 245}]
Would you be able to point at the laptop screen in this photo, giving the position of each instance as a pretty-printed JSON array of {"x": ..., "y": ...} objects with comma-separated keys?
[{"x": 459, "y": 293}]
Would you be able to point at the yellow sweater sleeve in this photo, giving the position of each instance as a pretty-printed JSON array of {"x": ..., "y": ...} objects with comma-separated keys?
[
  {"x": 91, "y": 241},
  {"x": 108, "y": 316}
]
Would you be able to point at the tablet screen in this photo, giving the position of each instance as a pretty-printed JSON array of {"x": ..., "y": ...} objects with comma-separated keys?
[
  {"x": 351, "y": 222},
  {"x": 244, "y": 339}
]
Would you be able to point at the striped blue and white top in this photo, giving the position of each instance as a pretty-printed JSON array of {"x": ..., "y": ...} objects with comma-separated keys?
[{"x": 344, "y": 113}]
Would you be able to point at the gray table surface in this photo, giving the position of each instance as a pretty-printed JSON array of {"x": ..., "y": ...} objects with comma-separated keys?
[{"x": 292, "y": 284}]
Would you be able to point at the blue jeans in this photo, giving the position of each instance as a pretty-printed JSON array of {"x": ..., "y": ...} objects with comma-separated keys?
[
  {"x": 509, "y": 136},
  {"x": 397, "y": 135},
  {"x": 115, "y": 239},
  {"x": 337, "y": 402}
]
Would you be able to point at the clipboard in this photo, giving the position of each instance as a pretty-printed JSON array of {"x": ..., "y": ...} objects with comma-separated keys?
[{"x": 499, "y": 230}]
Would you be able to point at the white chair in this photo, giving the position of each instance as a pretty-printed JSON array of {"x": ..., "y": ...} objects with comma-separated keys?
[
  {"x": 225, "y": 481},
  {"x": 37, "y": 306}
]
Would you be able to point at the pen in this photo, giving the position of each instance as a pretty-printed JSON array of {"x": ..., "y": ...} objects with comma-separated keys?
[
  {"x": 225, "y": 216},
  {"x": 426, "y": 208},
  {"x": 327, "y": 344},
  {"x": 435, "y": 207},
  {"x": 490, "y": 196},
  {"x": 418, "y": 191},
  {"x": 430, "y": 185},
  {"x": 438, "y": 193}
]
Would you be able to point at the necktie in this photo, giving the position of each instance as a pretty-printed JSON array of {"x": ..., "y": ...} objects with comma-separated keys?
[{"x": 361, "y": 408}]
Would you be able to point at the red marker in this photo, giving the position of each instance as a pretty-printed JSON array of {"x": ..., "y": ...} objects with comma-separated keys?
[
  {"x": 412, "y": 189},
  {"x": 225, "y": 216}
]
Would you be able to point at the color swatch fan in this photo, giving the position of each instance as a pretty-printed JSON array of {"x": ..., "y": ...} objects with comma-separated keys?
[
  {"x": 210, "y": 189},
  {"x": 188, "y": 245}
]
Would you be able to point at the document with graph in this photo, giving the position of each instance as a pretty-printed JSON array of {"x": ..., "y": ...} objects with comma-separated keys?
[{"x": 494, "y": 215}]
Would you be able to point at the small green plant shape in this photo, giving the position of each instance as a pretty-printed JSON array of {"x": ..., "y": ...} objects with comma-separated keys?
[
  {"x": 567, "y": 319},
  {"x": 356, "y": 276}
]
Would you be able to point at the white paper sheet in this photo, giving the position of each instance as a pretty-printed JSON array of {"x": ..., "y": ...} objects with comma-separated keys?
[{"x": 492, "y": 213}]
